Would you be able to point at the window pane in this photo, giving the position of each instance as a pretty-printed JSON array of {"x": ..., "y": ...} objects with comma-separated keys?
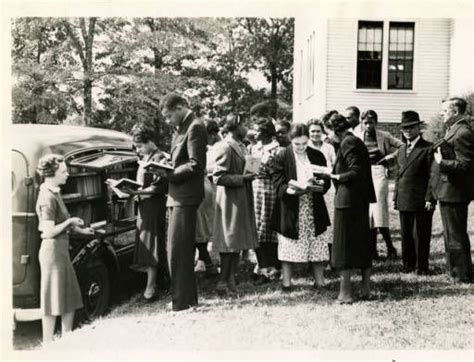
[
  {"x": 370, "y": 35},
  {"x": 369, "y": 55},
  {"x": 378, "y": 35},
  {"x": 400, "y": 70},
  {"x": 363, "y": 35}
]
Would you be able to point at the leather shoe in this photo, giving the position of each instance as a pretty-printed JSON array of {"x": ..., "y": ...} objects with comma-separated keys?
[{"x": 286, "y": 288}]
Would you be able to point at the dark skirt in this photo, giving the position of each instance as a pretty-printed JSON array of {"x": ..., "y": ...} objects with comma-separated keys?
[
  {"x": 150, "y": 245},
  {"x": 351, "y": 247}
]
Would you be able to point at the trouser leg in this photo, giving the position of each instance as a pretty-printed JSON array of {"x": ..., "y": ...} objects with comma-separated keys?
[
  {"x": 407, "y": 224},
  {"x": 423, "y": 223},
  {"x": 457, "y": 244},
  {"x": 181, "y": 242}
]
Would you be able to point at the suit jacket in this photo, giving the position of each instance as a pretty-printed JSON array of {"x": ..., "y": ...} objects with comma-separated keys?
[
  {"x": 386, "y": 142},
  {"x": 412, "y": 187},
  {"x": 355, "y": 185},
  {"x": 286, "y": 210},
  {"x": 188, "y": 155},
  {"x": 453, "y": 179}
]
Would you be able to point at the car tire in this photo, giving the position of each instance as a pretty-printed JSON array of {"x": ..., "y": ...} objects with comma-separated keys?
[{"x": 96, "y": 291}]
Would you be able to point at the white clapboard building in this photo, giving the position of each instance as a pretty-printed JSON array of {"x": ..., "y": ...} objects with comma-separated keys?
[{"x": 385, "y": 64}]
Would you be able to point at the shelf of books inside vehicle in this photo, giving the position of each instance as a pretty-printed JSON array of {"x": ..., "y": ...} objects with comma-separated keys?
[{"x": 103, "y": 160}]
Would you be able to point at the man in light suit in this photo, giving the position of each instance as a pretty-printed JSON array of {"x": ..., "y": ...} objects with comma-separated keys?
[
  {"x": 185, "y": 193},
  {"x": 412, "y": 197},
  {"x": 452, "y": 181}
]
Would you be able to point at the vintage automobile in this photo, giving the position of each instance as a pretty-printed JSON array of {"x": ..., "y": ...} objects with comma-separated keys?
[{"x": 93, "y": 155}]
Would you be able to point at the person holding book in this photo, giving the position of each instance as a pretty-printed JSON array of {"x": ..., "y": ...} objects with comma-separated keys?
[
  {"x": 264, "y": 198},
  {"x": 234, "y": 219},
  {"x": 150, "y": 246},
  {"x": 60, "y": 294},
  {"x": 354, "y": 191},
  {"x": 185, "y": 194},
  {"x": 452, "y": 182},
  {"x": 300, "y": 217},
  {"x": 382, "y": 147}
]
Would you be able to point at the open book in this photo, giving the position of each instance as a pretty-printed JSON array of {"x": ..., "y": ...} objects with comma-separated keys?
[
  {"x": 117, "y": 186},
  {"x": 164, "y": 164},
  {"x": 294, "y": 185}
]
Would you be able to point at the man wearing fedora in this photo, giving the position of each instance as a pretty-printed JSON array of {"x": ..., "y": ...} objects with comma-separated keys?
[
  {"x": 452, "y": 181},
  {"x": 412, "y": 197}
]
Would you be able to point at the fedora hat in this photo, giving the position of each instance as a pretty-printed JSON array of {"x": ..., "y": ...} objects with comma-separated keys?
[{"x": 410, "y": 118}]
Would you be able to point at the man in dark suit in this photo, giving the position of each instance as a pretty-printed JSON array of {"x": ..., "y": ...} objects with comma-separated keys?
[
  {"x": 452, "y": 182},
  {"x": 185, "y": 193},
  {"x": 412, "y": 197}
]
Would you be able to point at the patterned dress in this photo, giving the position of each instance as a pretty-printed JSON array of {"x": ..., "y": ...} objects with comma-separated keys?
[
  {"x": 264, "y": 193},
  {"x": 330, "y": 155},
  {"x": 308, "y": 247},
  {"x": 60, "y": 292}
]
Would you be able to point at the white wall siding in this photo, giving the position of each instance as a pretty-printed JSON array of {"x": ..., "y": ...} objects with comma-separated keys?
[
  {"x": 461, "y": 62},
  {"x": 431, "y": 71}
]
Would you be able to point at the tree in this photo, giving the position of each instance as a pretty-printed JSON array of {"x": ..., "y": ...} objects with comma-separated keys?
[
  {"x": 271, "y": 45},
  {"x": 83, "y": 44},
  {"x": 39, "y": 71}
]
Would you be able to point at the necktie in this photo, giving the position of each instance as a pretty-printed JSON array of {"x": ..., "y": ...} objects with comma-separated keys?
[{"x": 409, "y": 148}]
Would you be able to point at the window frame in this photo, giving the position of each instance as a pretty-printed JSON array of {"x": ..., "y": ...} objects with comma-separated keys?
[{"x": 385, "y": 49}]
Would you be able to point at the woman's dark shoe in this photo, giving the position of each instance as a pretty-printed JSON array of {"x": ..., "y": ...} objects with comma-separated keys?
[
  {"x": 286, "y": 288},
  {"x": 392, "y": 254},
  {"x": 146, "y": 300},
  {"x": 262, "y": 279},
  {"x": 349, "y": 300},
  {"x": 221, "y": 288}
]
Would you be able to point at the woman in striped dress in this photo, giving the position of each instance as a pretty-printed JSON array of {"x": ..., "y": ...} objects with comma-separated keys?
[{"x": 264, "y": 198}]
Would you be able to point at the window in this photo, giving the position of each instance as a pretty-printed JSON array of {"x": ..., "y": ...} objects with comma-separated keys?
[
  {"x": 400, "y": 56},
  {"x": 307, "y": 71},
  {"x": 369, "y": 54},
  {"x": 385, "y": 55}
]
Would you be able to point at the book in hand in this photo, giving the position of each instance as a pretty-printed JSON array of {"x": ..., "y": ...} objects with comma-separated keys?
[
  {"x": 164, "y": 164},
  {"x": 447, "y": 151},
  {"x": 118, "y": 186},
  {"x": 252, "y": 164},
  {"x": 316, "y": 186}
]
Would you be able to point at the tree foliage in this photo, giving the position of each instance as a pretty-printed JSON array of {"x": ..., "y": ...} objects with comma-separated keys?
[{"x": 112, "y": 72}]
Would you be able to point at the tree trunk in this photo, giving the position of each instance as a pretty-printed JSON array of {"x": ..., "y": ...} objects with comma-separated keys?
[{"x": 273, "y": 93}]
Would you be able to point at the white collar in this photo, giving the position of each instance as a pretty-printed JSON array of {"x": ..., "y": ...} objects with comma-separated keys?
[
  {"x": 414, "y": 141},
  {"x": 55, "y": 189},
  {"x": 269, "y": 146}
]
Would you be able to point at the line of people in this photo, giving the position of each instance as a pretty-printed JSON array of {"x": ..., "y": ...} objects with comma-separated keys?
[{"x": 333, "y": 218}]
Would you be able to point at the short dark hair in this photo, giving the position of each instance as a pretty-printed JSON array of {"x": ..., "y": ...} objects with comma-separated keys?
[
  {"x": 354, "y": 110},
  {"x": 142, "y": 133},
  {"x": 267, "y": 127},
  {"x": 370, "y": 114},
  {"x": 316, "y": 122},
  {"x": 325, "y": 117},
  {"x": 262, "y": 109},
  {"x": 284, "y": 123},
  {"x": 232, "y": 121},
  {"x": 212, "y": 127},
  {"x": 299, "y": 130},
  {"x": 48, "y": 164},
  {"x": 172, "y": 100},
  {"x": 338, "y": 123},
  {"x": 459, "y": 103}
]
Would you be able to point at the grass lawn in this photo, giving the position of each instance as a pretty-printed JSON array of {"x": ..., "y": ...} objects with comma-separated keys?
[{"x": 408, "y": 312}]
